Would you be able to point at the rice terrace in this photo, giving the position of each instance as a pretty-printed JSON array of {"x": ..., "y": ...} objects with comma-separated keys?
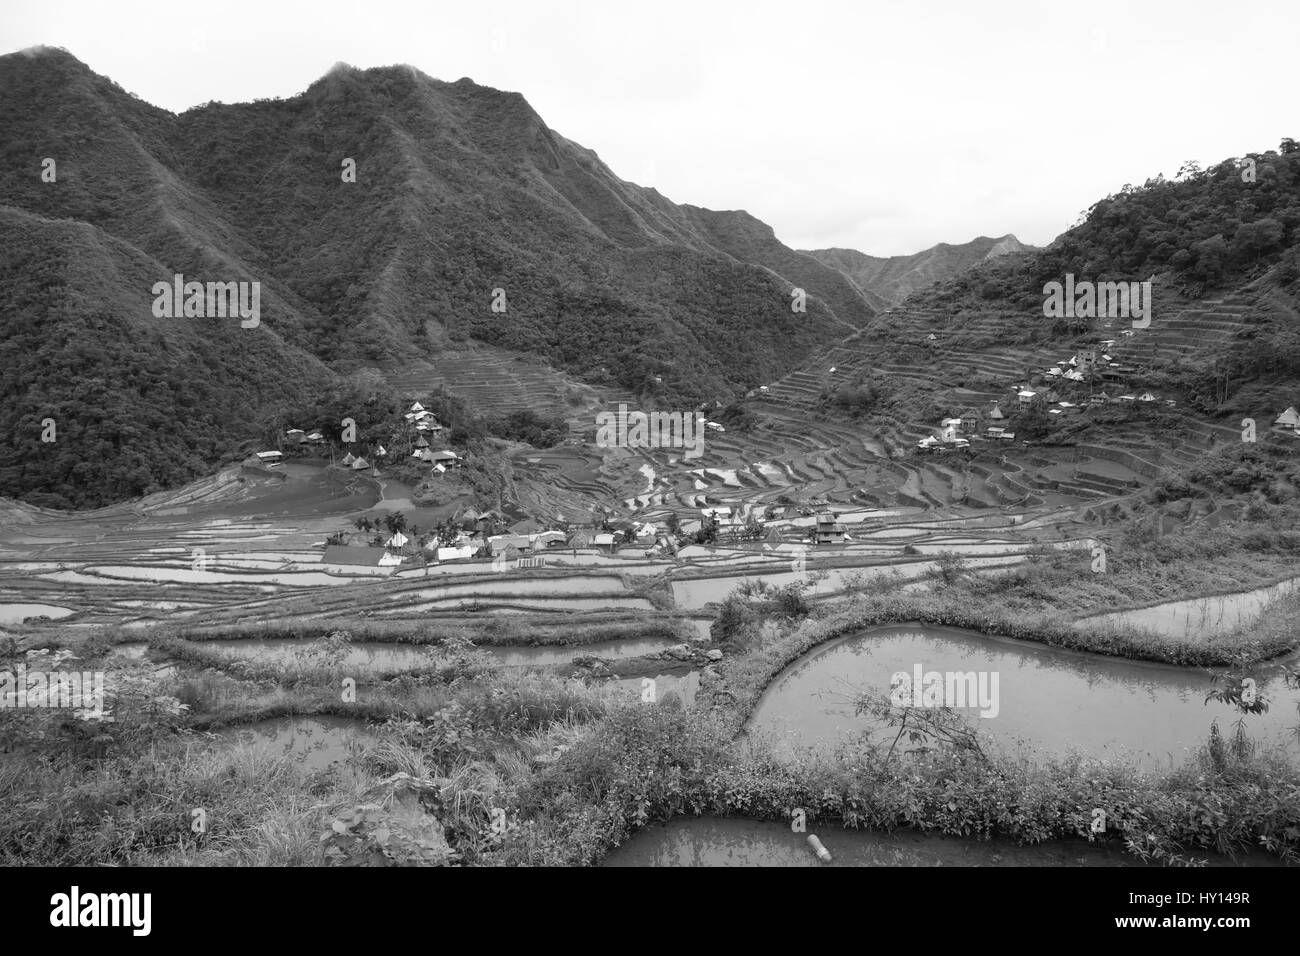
[{"x": 514, "y": 514}]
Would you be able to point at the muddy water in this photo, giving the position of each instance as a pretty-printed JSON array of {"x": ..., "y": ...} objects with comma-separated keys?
[
  {"x": 737, "y": 842},
  {"x": 1049, "y": 700},
  {"x": 694, "y": 593},
  {"x": 367, "y": 655},
  {"x": 685, "y": 686},
  {"x": 1200, "y": 618},
  {"x": 14, "y": 613},
  {"x": 508, "y": 585},
  {"x": 544, "y": 656},
  {"x": 314, "y": 743},
  {"x": 386, "y": 657},
  {"x": 172, "y": 575},
  {"x": 490, "y": 602}
]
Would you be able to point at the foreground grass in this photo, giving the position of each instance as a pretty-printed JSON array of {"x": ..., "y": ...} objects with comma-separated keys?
[
  {"x": 477, "y": 766},
  {"x": 567, "y": 793}
]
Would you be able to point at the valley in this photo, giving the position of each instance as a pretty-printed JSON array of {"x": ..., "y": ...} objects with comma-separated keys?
[{"x": 384, "y": 578}]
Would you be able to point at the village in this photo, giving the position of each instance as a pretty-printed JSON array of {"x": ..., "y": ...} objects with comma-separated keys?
[
  {"x": 467, "y": 535},
  {"x": 1088, "y": 379}
]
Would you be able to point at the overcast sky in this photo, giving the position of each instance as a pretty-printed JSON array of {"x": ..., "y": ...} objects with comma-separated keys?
[{"x": 880, "y": 126}]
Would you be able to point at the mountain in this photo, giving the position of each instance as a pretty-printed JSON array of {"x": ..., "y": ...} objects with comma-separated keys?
[
  {"x": 469, "y": 221},
  {"x": 889, "y": 281},
  {"x": 1221, "y": 249}
]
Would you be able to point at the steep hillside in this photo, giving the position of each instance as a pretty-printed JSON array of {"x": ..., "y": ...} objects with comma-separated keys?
[
  {"x": 459, "y": 191},
  {"x": 894, "y": 278},
  {"x": 1222, "y": 249},
  {"x": 137, "y": 403},
  {"x": 1222, "y": 253}
]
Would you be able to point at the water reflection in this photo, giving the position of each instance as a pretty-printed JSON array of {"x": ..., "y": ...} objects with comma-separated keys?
[{"x": 1051, "y": 700}]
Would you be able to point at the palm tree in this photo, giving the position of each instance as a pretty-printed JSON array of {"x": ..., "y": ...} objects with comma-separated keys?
[{"x": 577, "y": 538}]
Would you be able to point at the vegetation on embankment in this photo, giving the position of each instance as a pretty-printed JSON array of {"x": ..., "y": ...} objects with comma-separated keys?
[
  {"x": 640, "y": 766},
  {"x": 520, "y": 630},
  {"x": 124, "y": 792},
  {"x": 487, "y": 768}
]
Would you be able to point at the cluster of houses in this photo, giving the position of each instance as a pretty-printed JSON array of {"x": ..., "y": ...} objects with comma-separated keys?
[
  {"x": 399, "y": 548},
  {"x": 423, "y": 419},
  {"x": 426, "y": 423},
  {"x": 1093, "y": 366},
  {"x": 953, "y": 432},
  {"x": 525, "y": 541},
  {"x": 360, "y": 464}
]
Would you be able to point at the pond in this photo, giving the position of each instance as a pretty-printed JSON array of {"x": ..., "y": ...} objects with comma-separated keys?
[
  {"x": 544, "y": 656},
  {"x": 365, "y": 655},
  {"x": 15, "y": 613},
  {"x": 737, "y": 842},
  {"x": 536, "y": 603},
  {"x": 1048, "y": 700},
  {"x": 175, "y": 575},
  {"x": 379, "y": 656},
  {"x": 714, "y": 841},
  {"x": 694, "y": 593},
  {"x": 685, "y": 686},
  {"x": 314, "y": 743},
  {"x": 509, "y": 584}
]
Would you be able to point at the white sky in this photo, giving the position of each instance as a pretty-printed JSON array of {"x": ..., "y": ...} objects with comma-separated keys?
[{"x": 881, "y": 126}]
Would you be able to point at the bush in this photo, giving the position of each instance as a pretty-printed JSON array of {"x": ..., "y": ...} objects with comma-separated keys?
[{"x": 736, "y": 623}]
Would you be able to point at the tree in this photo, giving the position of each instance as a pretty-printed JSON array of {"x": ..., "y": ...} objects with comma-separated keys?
[
  {"x": 929, "y": 728},
  {"x": 708, "y": 532},
  {"x": 577, "y": 538},
  {"x": 1252, "y": 239},
  {"x": 1211, "y": 255}
]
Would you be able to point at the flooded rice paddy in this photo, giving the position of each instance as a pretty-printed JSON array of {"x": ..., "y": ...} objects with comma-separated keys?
[{"x": 1048, "y": 700}]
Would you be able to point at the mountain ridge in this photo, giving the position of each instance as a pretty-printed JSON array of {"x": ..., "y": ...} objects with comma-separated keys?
[
  {"x": 891, "y": 279},
  {"x": 461, "y": 190}
]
